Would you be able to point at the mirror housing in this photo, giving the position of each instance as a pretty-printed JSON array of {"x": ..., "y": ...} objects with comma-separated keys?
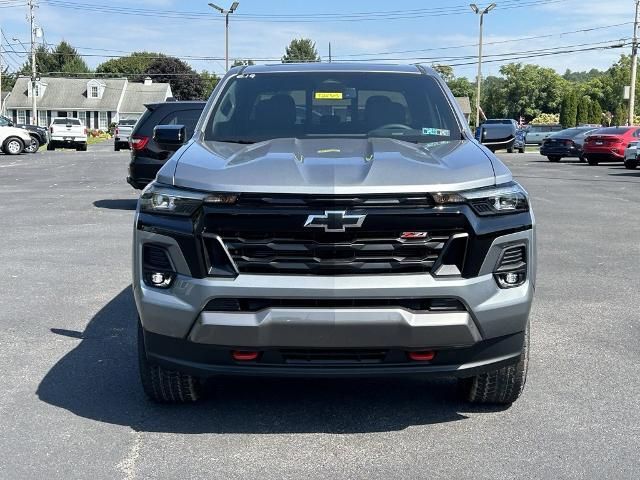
[{"x": 170, "y": 137}]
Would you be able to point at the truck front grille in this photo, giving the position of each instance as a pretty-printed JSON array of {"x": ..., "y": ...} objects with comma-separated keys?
[{"x": 269, "y": 234}]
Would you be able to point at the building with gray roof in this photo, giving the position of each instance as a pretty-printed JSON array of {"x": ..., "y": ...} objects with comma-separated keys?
[{"x": 96, "y": 101}]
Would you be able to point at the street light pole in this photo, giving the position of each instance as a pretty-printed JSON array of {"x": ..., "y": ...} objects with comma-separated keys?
[
  {"x": 226, "y": 14},
  {"x": 34, "y": 100},
  {"x": 634, "y": 67},
  {"x": 482, "y": 13}
]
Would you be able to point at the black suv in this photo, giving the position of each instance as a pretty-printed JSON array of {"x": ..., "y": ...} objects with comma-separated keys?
[{"x": 146, "y": 155}]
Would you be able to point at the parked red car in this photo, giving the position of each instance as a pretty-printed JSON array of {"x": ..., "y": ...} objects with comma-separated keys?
[{"x": 608, "y": 144}]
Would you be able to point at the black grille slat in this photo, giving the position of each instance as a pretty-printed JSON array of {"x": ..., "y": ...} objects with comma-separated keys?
[
  {"x": 513, "y": 258},
  {"x": 333, "y": 356},
  {"x": 313, "y": 253},
  {"x": 347, "y": 201}
]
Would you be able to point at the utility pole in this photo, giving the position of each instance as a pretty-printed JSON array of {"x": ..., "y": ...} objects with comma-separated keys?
[
  {"x": 634, "y": 66},
  {"x": 329, "y": 52},
  {"x": 34, "y": 99},
  {"x": 482, "y": 13},
  {"x": 226, "y": 13}
]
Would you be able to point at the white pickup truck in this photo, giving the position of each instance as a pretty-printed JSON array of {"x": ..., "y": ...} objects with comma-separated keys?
[{"x": 67, "y": 133}]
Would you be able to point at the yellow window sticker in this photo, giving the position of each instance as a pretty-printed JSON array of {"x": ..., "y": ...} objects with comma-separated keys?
[{"x": 328, "y": 96}]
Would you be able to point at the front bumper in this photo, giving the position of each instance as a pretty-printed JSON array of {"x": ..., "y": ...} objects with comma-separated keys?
[{"x": 205, "y": 360}]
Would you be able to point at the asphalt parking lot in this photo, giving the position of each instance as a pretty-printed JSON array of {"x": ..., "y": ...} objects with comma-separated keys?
[{"x": 71, "y": 406}]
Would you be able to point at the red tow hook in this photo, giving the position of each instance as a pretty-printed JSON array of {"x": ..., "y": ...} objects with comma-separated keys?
[
  {"x": 424, "y": 356},
  {"x": 244, "y": 355}
]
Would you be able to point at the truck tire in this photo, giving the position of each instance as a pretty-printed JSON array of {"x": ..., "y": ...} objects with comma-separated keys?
[
  {"x": 521, "y": 150},
  {"x": 13, "y": 146},
  {"x": 116, "y": 147},
  {"x": 592, "y": 161},
  {"x": 162, "y": 385},
  {"x": 81, "y": 147},
  {"x": 509, "y": 150},
  {"x": 33, "y": 146},
  {"x": 50, "y": 147},
  {"x": 554, "y": 158},
  {"x": 499, "y": 387},
  {"x": 631, "y": 164}
]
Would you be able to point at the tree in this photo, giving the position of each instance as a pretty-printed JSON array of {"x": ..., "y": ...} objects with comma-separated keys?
[
  {"x": 210, "y": 80},
  {"x": 63, "y": 59},
  {"x": 531, "y": 90},
  {"x": 569, "y": 110},
  {"x": 8, "y": 80},
  {"x": 301, "y": 50},
  {"x": 133, "y": 66},
  {"x": 242, "y": 63},
  {"x": 493, "y": 99},
  {"x": 584, "y": 106},
  {"x": 445, "y": 71},
  {"x": 186, "y": 83},
  {"x": 620, "y": 115},
  {"x": 595, "y": 116}
]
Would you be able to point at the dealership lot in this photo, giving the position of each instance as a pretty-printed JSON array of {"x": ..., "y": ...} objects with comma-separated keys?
[{"x": 71, "y": 405}]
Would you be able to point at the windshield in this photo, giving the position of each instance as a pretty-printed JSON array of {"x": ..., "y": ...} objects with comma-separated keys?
[
  {"x": 66, "y": 121},
  {"x": 571, "y": 132},
  {"x": 498, "y": 122},
  {"x": 264, "y": 106},
  {"x": 127, "y": 122},
  {"x": 612, "y": 131}
]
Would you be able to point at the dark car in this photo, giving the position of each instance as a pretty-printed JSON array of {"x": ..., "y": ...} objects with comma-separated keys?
[
  {"x": 609, "y": 144},
  {"x": 147, "y": 156},
  {"x": 39, "y": 135},
  {"x": 566, "y": 143}
]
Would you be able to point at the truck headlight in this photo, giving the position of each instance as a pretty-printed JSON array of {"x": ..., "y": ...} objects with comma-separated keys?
[
  {"x": 502, "y": 199},
  {"x": 167, "y": 200}
]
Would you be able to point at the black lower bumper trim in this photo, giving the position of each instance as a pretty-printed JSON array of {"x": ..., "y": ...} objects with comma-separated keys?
[{"x": 210, "y": 360}]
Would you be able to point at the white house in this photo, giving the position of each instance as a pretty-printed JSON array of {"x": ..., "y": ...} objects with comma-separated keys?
[{"x": 97, "y": 101}]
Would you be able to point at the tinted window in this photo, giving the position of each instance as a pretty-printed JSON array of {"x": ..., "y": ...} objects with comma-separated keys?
[
  {"x": 612, "y": 131},
  {"x": 544, "y": 128},
  {"x": 4, "y": 121},
  {"x": 188, "y": 118},
  {"x": 501, "y": 122},
  {"x": 127, "y": 122},
  {"x": 264, "y": 106},
  {"x": 571, "y": 132},
  {"x": 66, "y": 121}
]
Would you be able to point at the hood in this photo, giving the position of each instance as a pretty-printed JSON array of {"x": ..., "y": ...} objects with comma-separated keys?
[{"x": 332, "y": 166}]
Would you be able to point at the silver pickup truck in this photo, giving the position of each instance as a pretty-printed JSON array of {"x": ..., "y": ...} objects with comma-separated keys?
[
  {"x": 332, "y": 220},
  {"x": 122, "y": 133}
]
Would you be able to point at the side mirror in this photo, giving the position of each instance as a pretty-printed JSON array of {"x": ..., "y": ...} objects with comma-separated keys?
[
  {"x": 10, "y": 123},
  {"x": 170, "y": 137}
]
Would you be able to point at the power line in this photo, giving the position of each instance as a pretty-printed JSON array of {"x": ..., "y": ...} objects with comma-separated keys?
[{"x": 299, "y": 18}]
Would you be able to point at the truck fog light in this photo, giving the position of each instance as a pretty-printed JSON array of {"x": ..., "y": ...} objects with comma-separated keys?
[
  {"x": 160, "y": 279},
  {"x": 510, "y": 279}
]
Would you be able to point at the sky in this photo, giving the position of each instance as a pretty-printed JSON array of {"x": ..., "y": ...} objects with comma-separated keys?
[{"x": 405, "y": 31}]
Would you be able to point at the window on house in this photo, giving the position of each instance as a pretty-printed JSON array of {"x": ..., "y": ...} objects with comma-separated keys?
[
  {"x": 22, "y": 116},
  {"x": 94, "y": 91},
  {"x": 42, "y": 118},
  {"x": 102, "y": 120}
]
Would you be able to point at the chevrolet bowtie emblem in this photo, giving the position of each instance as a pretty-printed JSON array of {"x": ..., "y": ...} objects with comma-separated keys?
[{"x": 334, "y": 221}]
